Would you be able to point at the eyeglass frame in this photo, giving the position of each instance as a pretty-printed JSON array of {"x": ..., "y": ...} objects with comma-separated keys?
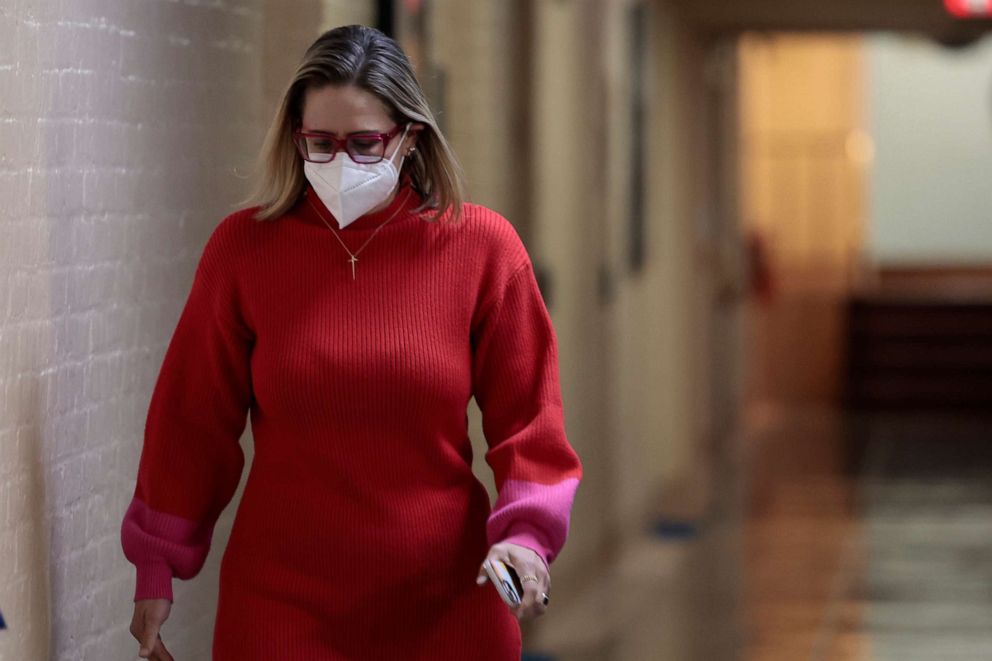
[{"x": 339, "y": 143}]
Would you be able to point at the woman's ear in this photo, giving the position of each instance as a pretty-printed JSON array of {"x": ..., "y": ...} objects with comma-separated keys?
[{"x": 411, "y": 139}]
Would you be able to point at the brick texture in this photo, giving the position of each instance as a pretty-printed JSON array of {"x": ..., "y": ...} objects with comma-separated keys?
[{"x": 120, "y": 124}]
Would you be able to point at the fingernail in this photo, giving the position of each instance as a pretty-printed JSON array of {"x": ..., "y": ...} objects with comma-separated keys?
[{"x": 480, "y": 580}]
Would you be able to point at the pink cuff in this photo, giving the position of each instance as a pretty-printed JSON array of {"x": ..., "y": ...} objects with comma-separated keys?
[
  {"x": 532, "y": 514},
  {"x": 530, "y": 537},
  {"x": 161, "y": 546},
  {"x": 154, "y": 581}
]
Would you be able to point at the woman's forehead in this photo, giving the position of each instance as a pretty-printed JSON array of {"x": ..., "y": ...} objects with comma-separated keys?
[{"x": 344, "y": 109}]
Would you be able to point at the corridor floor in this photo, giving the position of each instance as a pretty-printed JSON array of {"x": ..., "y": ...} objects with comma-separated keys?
[
  {"x": 828, "y": 540},
  {"x": 868, "y": 540}
]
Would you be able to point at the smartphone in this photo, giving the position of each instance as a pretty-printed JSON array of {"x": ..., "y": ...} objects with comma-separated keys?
[{"x": 504, "y": 578}]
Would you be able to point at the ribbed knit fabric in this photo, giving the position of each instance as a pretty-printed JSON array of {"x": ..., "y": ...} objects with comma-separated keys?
[{"x": 361, "y": 528}]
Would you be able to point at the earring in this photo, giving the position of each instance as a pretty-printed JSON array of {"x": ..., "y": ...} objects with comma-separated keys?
[{"x": 411, "y": 150}]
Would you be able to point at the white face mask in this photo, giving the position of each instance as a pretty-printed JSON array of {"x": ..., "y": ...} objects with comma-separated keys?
[{"x": 349, "y": 189}]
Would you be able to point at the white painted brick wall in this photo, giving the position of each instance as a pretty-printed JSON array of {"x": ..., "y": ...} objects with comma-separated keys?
[{"x": 120, "y": 122}]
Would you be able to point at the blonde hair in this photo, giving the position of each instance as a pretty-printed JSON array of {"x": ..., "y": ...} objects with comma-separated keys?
[{"x": 365, "y": 57}]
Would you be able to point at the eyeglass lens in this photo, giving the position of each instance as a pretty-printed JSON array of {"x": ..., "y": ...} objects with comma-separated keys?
[{"x": 362, "y": 149}]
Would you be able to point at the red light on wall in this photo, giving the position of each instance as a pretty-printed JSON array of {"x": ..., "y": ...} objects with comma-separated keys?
[{"x": 969, "y": 8}]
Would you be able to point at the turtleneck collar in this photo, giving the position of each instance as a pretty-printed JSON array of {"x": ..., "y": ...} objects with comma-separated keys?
[{"x": 403, "y": 202}]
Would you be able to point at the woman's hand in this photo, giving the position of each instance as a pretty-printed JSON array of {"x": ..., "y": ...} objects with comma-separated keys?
[
  {"x": 149, "y": 614},
  {"x": 527, "y": 563}
]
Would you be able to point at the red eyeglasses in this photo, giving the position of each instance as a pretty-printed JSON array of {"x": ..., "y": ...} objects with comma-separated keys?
[{"x": 320, "y": 147}]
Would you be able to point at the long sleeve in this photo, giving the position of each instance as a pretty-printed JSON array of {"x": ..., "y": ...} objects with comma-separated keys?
[
  {"x": 191, "y": 460},
  {"x": 516, "y": 384}
]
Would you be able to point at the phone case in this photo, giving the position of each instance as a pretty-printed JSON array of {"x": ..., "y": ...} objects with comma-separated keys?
[{"x": 504, "y": 579}]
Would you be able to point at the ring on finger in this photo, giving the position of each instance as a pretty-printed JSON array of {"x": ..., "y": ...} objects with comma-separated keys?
[{"x": 529, "y": 577}]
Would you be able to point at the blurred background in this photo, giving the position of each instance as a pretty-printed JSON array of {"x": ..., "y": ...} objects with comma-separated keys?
[{"x": 762, "y": 229}]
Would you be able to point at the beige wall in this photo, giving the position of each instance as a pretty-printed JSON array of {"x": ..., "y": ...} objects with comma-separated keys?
[
  {"x": 802, "y": 113},
  {"x": 803, "y": 168},
  {"x": 648, "y": 323},
  {"x": 632, "y": 360},
  {"x": 661, "y": 408},
  {"x": 636, "y": 410},
  {"x": 565, "y": 239},
  {"x": 482, "y": 50},
  {"x": 287, "y": 34},
  {"x": 473, "y": 46},
  {"x": 640, "y": 409}
]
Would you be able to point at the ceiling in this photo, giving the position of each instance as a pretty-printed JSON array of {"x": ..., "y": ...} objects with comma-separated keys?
[{"x": 723, "y": 16}]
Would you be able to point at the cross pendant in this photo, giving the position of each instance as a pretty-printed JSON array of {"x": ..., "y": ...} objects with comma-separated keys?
[{"x": 353, "y": 259}]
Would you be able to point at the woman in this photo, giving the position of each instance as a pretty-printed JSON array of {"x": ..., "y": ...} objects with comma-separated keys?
[{"x": 352, "y": 310}]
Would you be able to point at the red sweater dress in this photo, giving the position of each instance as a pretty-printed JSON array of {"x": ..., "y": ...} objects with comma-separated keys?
[{"x": 361, "y": 528}]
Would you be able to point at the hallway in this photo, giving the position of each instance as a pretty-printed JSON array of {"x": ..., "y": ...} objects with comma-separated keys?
[{"x": 709, "y": 193}]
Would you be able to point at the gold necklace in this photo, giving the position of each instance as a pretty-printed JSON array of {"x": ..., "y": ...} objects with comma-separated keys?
[{"x": 354, "y": 255}]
